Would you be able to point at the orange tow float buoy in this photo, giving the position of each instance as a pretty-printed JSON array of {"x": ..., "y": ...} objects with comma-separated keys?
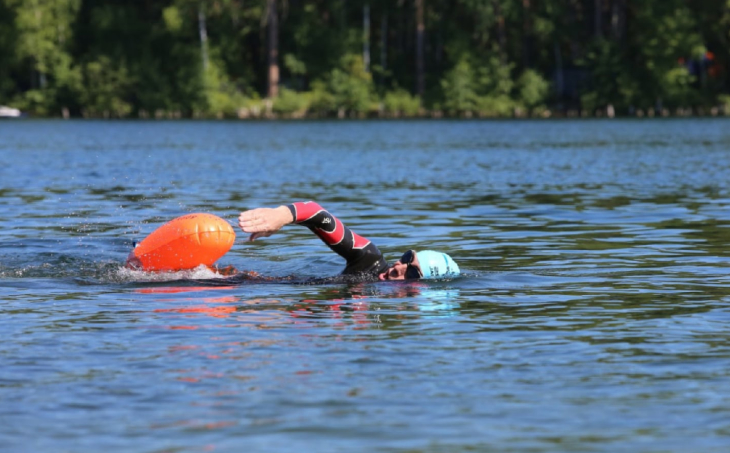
[{"x": 184, "y": 243}]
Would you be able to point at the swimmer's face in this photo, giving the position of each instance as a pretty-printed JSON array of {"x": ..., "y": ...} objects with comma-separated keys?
[{"x": 407, "y": 267}]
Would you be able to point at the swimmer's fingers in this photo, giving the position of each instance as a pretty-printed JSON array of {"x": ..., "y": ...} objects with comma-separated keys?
[
  {"x": 255, "y": 236},
  {"x": 255, "y": 220},
  {"x": 264, "y": 222}
]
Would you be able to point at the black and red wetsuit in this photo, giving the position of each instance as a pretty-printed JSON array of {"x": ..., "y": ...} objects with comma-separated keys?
[{"x": 362, "y": 256}]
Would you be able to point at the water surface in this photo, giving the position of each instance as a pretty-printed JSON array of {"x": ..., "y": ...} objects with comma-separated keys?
[{"x": 592, "y": 315}]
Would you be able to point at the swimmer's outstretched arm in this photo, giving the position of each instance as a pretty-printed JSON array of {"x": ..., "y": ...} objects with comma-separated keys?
[
  {"x": 359, "y": 252},
  {"x": 263, "y": 222}
]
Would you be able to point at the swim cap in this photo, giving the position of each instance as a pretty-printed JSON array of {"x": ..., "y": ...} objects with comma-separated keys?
[{"x": 437, "y": 264}]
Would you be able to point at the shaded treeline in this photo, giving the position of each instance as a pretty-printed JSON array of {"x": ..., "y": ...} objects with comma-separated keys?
[{"x": 250, "y": 58}]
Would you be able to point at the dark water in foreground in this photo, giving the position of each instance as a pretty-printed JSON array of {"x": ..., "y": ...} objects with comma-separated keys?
[{"x": 594, "y": 313}]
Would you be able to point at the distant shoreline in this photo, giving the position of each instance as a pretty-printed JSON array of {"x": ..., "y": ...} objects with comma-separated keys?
[{"x": 245, "y": 115}]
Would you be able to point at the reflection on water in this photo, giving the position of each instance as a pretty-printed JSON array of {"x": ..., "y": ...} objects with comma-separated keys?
[{"x": 592, "y": 314}]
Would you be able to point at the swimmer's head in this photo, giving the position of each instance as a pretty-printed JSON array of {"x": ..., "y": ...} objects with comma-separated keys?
[
  {"x": 437, "y": 265},
  {"x": 424, "y": 264}
]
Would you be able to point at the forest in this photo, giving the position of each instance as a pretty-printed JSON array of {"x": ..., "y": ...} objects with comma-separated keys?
[{"x": 364, "y": 58}]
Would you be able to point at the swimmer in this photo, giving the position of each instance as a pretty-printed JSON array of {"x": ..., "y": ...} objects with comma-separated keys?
[{"x": 362, "y": 256}]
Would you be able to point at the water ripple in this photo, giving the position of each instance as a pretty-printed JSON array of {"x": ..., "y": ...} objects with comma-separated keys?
[{"x": 592, "y": 314}]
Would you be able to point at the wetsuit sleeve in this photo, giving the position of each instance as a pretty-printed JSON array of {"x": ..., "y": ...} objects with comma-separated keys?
[{"x": 361, "y": 254}]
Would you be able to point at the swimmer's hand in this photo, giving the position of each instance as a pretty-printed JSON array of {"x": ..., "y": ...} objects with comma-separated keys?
[{"x": 263, "y": 222}]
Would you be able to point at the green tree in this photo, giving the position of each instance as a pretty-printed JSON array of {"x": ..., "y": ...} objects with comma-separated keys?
[
  {"x": 347, "y": 89},
  {"x": 105, "y": 89},
  {"x": 533, "y": 89},
  {"x": 459, "y": 89},
  {"x": 487, "y": 57},
  {"x": 44, "y": 32}
]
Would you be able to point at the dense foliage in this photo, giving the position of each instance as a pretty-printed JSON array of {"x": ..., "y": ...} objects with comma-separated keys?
[{"x": 251, "y": 58}]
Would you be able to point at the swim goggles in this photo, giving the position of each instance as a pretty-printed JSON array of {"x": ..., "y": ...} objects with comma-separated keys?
[{"x": 411, "y": 270}]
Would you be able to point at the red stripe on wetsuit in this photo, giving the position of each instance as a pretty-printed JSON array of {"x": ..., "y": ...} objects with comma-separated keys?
[
  {"x": 360, "y": 253},
  {"x": 325, "y": 225}
]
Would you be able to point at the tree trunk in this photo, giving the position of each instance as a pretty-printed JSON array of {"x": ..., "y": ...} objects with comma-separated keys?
[
  {"x": 39, "y": 58},
  {"x": 559, "y": 84},
  {"x": 420, "y": 28},
  {"x": 526, "y": 58},
  {"x": 203, "y": 31},
  {"x": 273, "y": 51},
  {"x": 501, "y": 32},
  {"x": 618, "y": 19},
  {"x": 366, "y": 36},
  {"x": 384, "y": 42},
  {"x": 597, "y": 19}
]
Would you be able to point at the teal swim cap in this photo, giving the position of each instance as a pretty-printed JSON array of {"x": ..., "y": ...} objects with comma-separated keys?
[{"x": 437, "y": 264}]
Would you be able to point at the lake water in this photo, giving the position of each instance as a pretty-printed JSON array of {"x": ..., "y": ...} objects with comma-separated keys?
[{"x": 593, "y": 313}]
